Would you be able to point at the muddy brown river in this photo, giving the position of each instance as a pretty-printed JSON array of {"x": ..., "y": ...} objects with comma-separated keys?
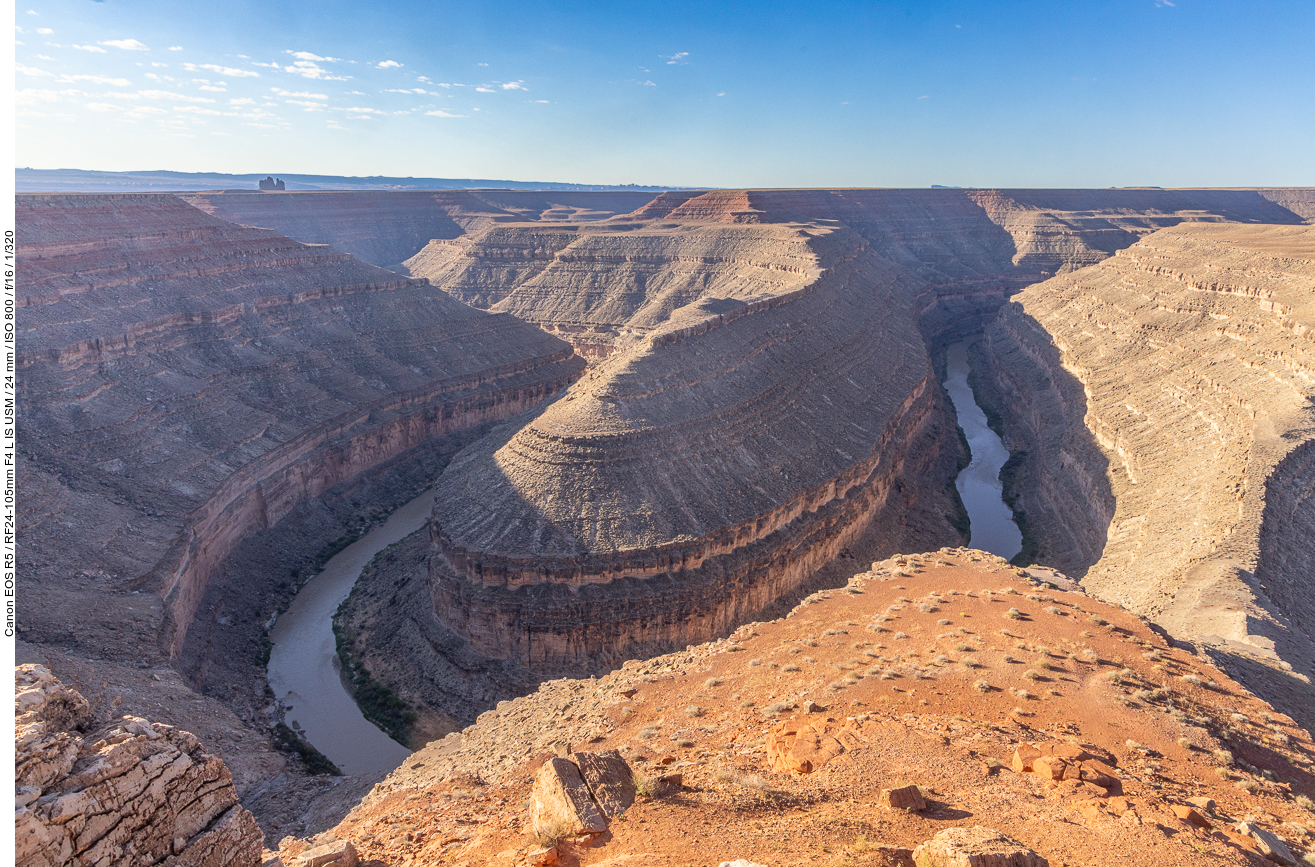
[
  {"x": 993, "y": 528},
  {"x": 304, "y": 670}
]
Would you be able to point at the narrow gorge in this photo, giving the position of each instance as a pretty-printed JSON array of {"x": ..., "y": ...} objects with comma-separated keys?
[{"x": 647, "y": 420}]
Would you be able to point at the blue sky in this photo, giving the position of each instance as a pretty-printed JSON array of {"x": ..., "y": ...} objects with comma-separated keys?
[{"x": 1062, "y": 93}]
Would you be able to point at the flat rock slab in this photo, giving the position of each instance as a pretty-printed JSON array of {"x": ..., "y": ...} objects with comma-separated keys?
[
  {"x": 610, "y": 780},
  {"x": 561, "y": 802},
  {"x": 1270, "y": 846},
  {"x": 975, "y": 847}
]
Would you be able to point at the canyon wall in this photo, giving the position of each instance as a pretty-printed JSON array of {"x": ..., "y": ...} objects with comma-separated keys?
[
  {"x": 185, "y": 383},
  {"x": 1162, "y": 399},
  {"x": 388, "y": 227},
  {"x": 707, "y": 468},
  {"x": 617, "y": 520}
]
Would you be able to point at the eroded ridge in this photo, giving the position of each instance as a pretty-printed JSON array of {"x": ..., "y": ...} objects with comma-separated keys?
[
  {"x": 700, "y": 475},
  {"x": 385, "y": 228},
  {"x": 1164, "y": 400},
  {"x": 186, "y": 382}
]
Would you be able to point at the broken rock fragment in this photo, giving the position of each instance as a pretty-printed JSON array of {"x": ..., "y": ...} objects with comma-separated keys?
[
  {"x": 610, "y": 781},
  {"x": 975, "y": 847},
  {"x": 560, "y": 804}
]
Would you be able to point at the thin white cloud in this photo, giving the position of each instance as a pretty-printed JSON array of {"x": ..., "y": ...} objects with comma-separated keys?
[
  {"x": 312, "y": 70},
  {"x": 125, "y": 44},
  {"x": 222, "y": 70},
  {"x": 541, "y": 100},
  {"x": 360, "y": 110},
  {"x": 174, "y": 48},
  {"x": 1164, "y": 3},
  {"x": 194, "y": 109},
  {"x": 723, "y": 93},
  {"x": 34, "y": 72},
  {"x": 441, "y": 113},
  {"x": 158, "y": 94},
  {"x": 483, "y": 64},
  {"x": 425, "y": 79},
  {"x": 44, "y": 57},
  {"x": 35, "y": 95},
  {"x": 409, "y": 90},
  {"x": 515, "y": 85},
  {"x": 44, "y": 31},
  {"x": 298, "y": 93},
  {"x": 359, "y": 117},
  {"x": 245, "y": 100},
  {"x": 648, "y": 84},
  {"x": 677, "y": 59},
  {"x": 213, "y": 88},
  {"x": 94, "y": 48},
  {"x": 485, "y": 90},
  {"x": 306, "y": 55},
  {"x": 32, "y": 12},
  {"x": 925, "y": 96},
  {"x": 388, "y": 64},
  {"x": 309, "y": 106}
]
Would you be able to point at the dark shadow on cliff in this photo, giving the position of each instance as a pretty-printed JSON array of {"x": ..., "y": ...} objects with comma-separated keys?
[{"x": 1057, "y": 475}]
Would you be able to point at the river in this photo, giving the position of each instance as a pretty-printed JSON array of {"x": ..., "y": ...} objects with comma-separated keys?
[
  {"x": 304, "y": 670},
  {"x": 993, "y": 528}
]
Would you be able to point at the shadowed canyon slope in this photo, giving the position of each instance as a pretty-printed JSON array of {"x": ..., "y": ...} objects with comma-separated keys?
[
  {"x": 186, "y": 383},
  {"x": 1163, "y": 400}
]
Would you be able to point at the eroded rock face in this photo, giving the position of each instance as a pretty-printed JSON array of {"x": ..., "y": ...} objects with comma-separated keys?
[
  {"x": 763, "y": 389},
  {"x": 386, "y": 228},
  {"x": 1163, "y": 399},
  {"x": 131, "y": 793},
  {"x": 702, "y": 473},
  {"x": 185, "y": 382}
]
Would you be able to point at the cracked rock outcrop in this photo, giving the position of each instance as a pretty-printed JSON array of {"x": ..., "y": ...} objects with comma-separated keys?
[{"x": 131, "y": 793}]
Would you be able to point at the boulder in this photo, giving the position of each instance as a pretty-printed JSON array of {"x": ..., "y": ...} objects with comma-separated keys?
[
  {"x": 339, "y": 853},
  {"x": 610, "y": 781},
  {"x": 1269, "y": 845},
  {"x": 903, "y": 798},
  {"x": 975, "y": 847},
  {"x": 1191, "y": 816},
  {"x": 560, "y": 804}
]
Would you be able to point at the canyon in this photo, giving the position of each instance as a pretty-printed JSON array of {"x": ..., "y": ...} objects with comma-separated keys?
[{"x": 649, "y": 420}]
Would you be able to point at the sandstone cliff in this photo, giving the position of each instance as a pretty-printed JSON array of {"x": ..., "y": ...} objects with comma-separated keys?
[
  {"x": 705, "y": 470},
  {"x": 130, "y": 793},
  {"x": 1163, "y": 400},
  {"x": 386, "y": 228}
]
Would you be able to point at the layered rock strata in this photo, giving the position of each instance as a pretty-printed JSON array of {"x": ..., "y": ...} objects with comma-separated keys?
[
  {"x": 386, "y": 228},
  {"x": 185, "y": 383},
  {"x": 130, "y": 793},
  {"x": 699, "y": 475},
  {"x": 696, "y": 302},
  {"x": 1163, "y": 400},
  {"x": 969, "y": 249}
]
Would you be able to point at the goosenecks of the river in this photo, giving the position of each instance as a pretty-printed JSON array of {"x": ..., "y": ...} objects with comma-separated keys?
[
  {"x": 304, "y": 669},
  {"x": 992, "y": 523}
]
